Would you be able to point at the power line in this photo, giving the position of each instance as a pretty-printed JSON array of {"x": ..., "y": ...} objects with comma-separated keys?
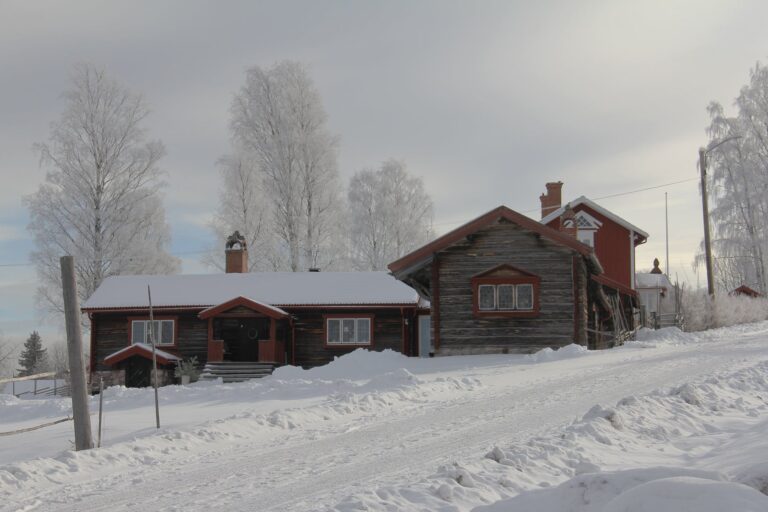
[
  {"x": 618, "y": 194},
  {"x": 532, "y": 210}
]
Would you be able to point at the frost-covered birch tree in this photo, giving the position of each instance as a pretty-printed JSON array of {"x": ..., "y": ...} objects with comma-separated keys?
[
  {"x": 390, "y": 214},
  {"x": 100, "y": 201},
  {"x": 278, "y": 118},
  {"x": 738, "y": 173},
  {"x": 243, "y": 206}
]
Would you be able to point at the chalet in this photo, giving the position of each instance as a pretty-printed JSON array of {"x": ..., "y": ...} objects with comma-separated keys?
[
  {"x": 251, "y": 319},
  {"x": 506, "y": 283},
  {"x": 614, "y": 241}
]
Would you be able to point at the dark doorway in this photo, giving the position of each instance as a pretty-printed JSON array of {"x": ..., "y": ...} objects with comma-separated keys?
[
  {"x": 241, "y": 337},
  {"x": 138, "y": 372}
]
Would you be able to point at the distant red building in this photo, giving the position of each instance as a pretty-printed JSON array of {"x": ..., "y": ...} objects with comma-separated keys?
[{"x": 746, "y": 291}]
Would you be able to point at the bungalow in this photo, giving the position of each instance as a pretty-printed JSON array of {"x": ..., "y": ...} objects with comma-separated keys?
[{"x": 251, "y": 319}]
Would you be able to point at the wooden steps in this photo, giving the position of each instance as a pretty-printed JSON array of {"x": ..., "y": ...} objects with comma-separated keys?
[{"x": 236, "y": 371}]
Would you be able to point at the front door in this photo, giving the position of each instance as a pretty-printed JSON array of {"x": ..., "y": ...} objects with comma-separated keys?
[
  {"x": 241, "y": 337},
  {"x": 138, "y": 372}
]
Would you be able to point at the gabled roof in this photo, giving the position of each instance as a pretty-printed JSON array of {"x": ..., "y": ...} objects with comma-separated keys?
[
  {"x": 651, "y": 280},
  {"x": 141, "y": 350},
  {"x": 746, "y": 290},
  {"x": 502, "y": 212},
  {"x": 501, "y": 268},
  {"x": 596, "y": 207},
  {"x": 260, "y": 307},
  {"x": 278, "y": 289}
]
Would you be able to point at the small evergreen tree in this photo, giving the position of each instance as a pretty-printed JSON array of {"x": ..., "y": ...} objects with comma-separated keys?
[{"x": 33, "y": 358}]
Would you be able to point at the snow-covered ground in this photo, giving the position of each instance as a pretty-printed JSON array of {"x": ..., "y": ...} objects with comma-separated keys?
[{"x": 673, "y": 420}]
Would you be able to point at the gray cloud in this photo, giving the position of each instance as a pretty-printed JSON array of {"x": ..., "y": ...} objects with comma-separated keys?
[{"x": 486, "y": 101}]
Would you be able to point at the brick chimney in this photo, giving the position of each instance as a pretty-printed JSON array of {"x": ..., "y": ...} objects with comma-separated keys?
[
  {"x": 236, "y": 251},
  {"x": 553, "y": 199},
  {"x": 568, "y": 222}
]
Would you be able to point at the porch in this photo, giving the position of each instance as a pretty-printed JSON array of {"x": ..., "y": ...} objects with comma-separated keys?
[{"x": 242, "y": 330}]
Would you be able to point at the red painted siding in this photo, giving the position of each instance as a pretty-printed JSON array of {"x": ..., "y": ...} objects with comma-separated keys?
[{"x": 611, "y": 247}]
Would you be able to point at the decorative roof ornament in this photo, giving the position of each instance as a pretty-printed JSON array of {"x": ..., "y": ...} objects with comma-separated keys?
[{"x": 236, "y": 239}]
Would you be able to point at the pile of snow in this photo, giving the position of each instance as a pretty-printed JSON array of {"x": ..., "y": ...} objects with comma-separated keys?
[
  {"x": 663, "y": 434},
  {"x": 665, "y": 336},
  {"x": 356, "y": 365},
  {"x": 566, "y": 352},
  {"x": 639, "y": 490}
]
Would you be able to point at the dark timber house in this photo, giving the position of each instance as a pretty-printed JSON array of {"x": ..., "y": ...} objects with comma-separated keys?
[
  {"x": 269, "y": 318},
  {"x": 506, "y": 283}
]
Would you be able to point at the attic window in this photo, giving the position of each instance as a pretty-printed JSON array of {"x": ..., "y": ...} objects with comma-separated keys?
[{"x": 505, "y": 292}]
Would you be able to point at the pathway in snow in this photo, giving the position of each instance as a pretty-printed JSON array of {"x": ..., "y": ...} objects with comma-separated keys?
[{"x": 314, "y": 466}]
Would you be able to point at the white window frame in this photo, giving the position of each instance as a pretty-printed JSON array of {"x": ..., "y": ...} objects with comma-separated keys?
[
  {"x": 533, "y": 297},
  {"x": 495, "y": 298},
  {"x": 356, "y": 338},
  {"x": 146, "y": 339},
  {"x": 515, "y": 306}
]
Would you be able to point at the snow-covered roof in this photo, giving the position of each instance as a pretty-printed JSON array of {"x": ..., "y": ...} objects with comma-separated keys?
[
  {"x": 596, "y": 207},
  {"x": 647, "y": 280},
  {"x": 143, "y": 350},
  {"x": 273, "y": 288}
]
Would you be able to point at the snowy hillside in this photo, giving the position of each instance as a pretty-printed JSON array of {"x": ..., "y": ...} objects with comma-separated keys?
[{"x": 670, "y": 421}]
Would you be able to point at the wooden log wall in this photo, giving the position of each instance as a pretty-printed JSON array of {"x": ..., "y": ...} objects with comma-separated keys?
[
  {"x": 111, "y": 335},
  {"x": 460, "y": 332},
  {"x": 310, "y": 342}
]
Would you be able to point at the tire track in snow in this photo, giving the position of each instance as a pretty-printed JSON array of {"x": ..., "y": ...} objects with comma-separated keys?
[{"x": 316, "y": 473}]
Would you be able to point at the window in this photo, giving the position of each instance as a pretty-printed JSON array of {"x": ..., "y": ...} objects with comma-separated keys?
[
  {"x": 505, "y": 297},
  {"x": 348, "y": 331},
  {"x": 506, "y": 291},
  {"x": 162, "y": 331}
]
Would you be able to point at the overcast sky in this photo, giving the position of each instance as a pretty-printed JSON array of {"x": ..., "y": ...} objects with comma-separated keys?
[{"x": 486, "y": 101}]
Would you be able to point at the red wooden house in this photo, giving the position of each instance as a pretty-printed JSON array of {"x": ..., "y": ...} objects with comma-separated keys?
[
  {"x": 239, "y": 323},
  {"x": 613, "y": 238}
]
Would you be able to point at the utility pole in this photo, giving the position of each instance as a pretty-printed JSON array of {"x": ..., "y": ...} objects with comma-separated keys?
[
  {"x": 80, "y": 413},
  {"x": 666, "y": 231},
  {"x": 705, "y": 210}
]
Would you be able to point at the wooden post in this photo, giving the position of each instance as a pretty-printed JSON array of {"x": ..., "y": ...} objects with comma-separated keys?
[
  {"x": 154, "y": 356},
  {"x": 81, "y": 416},
  {"x": 101, "y": 406}
]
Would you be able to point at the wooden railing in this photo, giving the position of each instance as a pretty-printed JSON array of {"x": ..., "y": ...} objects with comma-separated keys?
[{"x": 215, "y": 351}]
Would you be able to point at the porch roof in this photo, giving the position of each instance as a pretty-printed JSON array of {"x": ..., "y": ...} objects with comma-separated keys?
[
  {"x": 141, "y": 350},
  {"x": 260, "y": 307}
]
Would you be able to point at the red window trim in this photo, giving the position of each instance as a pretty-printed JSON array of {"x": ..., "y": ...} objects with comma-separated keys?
[
  {"x": 513, "y": 313},
  {"x": 349, "y": 316},
  {"x": 175, "y": 319}
]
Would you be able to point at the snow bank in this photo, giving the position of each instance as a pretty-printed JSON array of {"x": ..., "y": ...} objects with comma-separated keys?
[
  {"x": 687, "y": 494},
  {"x": 380, "y": 386},
  {"x": 356, "y": 365},
  {"x": 662, "y": 433},
  {"x": 566, "y": 352}
]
